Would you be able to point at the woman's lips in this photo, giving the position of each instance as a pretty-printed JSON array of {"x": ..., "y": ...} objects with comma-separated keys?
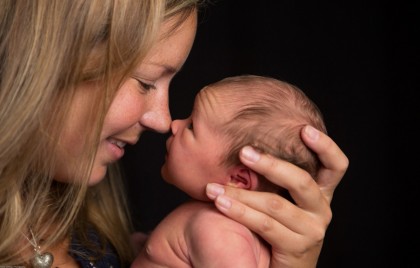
[
  {"x": 117, "y": 147},
  {"x": 119, "y": 143}
]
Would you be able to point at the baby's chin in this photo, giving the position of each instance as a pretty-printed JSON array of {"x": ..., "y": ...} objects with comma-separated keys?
[{"x": 165, "y": 173}]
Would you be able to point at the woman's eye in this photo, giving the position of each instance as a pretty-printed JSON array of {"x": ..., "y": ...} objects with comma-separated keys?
[
  {"x": 190, "y": 126},
  {"x": 145, "y": 86}
]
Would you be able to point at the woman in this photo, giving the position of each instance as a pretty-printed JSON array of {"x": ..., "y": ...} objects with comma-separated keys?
[{"x": 79, "y": 81}]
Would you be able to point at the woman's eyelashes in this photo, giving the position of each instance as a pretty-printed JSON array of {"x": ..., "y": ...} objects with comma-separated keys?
[{"x": 144, "y": 85}]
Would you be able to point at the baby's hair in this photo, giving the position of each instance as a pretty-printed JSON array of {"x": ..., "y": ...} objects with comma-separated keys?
[{"x": 269, "y": 115}]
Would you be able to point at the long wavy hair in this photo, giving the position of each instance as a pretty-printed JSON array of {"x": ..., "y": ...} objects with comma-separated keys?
[{"x": 47, "y": 49}]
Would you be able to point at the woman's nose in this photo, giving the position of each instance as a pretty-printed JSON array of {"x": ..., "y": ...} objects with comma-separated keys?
[
  {"x": 157, "y": 119},
  {"x": 159, "y": 122}
]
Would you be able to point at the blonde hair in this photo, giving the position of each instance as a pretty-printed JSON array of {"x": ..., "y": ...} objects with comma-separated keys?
[
  {"x": 268, "y": 114},
  {"x": 47, "y": 48}
]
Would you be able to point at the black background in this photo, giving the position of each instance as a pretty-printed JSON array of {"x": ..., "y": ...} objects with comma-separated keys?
[{"x": 358, "y": 61}]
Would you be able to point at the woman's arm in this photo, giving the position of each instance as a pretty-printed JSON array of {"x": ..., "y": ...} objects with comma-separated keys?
[{"x": 295, "y": 230}]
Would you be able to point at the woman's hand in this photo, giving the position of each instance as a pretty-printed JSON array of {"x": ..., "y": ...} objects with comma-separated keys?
[
  {"x": 137, "y": 240},
  {"x": 295, "y": 231}
]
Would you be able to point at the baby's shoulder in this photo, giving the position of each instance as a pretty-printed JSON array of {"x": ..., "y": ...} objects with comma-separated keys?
[{"x": 206, "y": 220}]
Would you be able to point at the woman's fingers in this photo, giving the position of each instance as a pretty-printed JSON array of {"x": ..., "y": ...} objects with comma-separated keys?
[
  {"x": 268, "y": 214},
  {"x": 254, "y": 218},
  {"x": 301, "y": 186},
  {"x": 295, "y": 230},
  {"x": 138, "y": 239},
  {"x": 295, "y": 236},
  {"x": 334, "y": 161}
]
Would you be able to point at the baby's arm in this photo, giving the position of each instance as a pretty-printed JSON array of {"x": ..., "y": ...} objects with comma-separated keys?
[
  {"x": 165, "y": 247},
  {"x": 217, "y": 241}
]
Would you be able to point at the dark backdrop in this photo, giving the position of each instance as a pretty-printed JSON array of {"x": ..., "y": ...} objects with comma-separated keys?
[{"x": 358, "y": 62}]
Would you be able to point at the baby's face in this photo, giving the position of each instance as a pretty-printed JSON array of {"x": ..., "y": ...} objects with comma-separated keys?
[{"x": 195, "y": 149}]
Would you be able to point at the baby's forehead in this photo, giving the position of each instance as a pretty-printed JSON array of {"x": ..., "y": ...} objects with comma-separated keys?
[
  {"x": 213, "y": 98},
  {"x": 219, "y": 95},
  {"x": 215, "y": 103}
]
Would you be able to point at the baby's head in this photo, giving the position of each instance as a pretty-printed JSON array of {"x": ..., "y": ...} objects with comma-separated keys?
[
  {"x": 266, "y": 113},
  {"x": 237, "y": 111}
]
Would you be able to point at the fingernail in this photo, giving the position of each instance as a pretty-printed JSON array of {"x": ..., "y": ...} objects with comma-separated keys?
[
  {"x": 213, "y": 190},
  {"x": 223, "y": 201},
  {"x": 312, "y": 132},
  {"x": 250, "y": 154}
]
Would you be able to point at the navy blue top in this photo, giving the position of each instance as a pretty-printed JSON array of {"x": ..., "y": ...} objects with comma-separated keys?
[{"x": 90, "y": 259}]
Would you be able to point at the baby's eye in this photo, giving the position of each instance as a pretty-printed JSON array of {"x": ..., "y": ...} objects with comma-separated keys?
[{"x": 190, "y": 126}]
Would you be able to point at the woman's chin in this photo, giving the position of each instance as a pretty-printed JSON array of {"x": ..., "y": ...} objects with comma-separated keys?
[{"x": 97, "y": 176}]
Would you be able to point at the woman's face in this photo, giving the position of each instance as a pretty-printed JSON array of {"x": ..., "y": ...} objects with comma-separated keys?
[{"x": 140, "y": 104}]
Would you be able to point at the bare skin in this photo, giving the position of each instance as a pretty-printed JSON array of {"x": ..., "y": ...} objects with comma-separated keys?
[
  {"x": 206, "y": 236},
  {"x": 294, "y": 243}
]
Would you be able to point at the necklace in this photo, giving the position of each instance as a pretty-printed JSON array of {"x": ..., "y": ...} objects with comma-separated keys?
[{"x": 40, "y": 260}]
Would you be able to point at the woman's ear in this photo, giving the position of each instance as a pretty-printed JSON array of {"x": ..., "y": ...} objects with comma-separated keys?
[{"x": 243, "y": 177}]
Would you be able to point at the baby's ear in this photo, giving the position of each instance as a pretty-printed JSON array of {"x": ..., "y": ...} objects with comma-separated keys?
[{"x": 243, "y": 177}]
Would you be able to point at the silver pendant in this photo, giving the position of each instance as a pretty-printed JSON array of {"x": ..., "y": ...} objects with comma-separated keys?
[{"x": 42, "y": 260}]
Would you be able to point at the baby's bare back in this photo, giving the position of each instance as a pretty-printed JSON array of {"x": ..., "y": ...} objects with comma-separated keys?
[{"x": 197, "y": 235}]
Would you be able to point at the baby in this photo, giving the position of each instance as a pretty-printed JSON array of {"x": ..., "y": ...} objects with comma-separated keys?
[{"x": 227, "y": 115}]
